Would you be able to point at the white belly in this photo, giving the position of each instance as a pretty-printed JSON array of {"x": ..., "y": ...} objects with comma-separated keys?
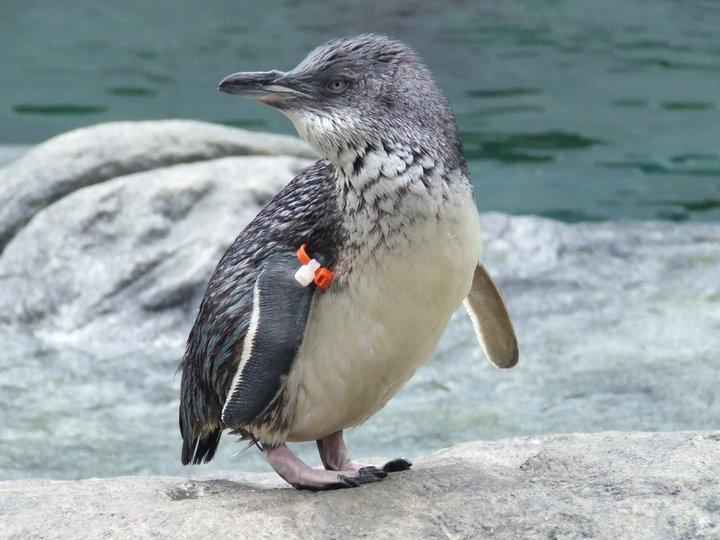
[{"x": 365, "y": 341}]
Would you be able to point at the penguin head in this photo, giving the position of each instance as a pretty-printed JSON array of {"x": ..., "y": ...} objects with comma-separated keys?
[{"x": 353, "y": 92}]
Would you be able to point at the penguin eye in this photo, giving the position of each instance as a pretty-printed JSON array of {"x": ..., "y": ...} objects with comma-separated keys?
[{"x": 336, "y": 85}]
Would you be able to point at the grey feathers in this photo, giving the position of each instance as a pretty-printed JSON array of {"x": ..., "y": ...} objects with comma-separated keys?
[{"x": 390, "y": 96}]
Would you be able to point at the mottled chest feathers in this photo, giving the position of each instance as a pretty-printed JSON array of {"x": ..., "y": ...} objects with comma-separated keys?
[{"x": 386, "y": 189}]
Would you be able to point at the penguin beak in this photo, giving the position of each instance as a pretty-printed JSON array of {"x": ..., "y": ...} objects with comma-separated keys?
[{"x": 264, "y": 86}]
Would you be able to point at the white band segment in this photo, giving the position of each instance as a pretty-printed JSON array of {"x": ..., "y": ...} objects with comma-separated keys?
[{"x": 306, "y": 274}]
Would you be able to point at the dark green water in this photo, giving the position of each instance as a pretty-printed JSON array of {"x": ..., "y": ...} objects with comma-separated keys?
[{"x": 578, "y": 110}]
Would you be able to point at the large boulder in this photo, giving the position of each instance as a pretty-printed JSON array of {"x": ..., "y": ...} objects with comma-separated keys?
[
  {"x": 127, "y": 259},
  {"x": 603, "y": 485},
  {"x": 92, "y": 155}
]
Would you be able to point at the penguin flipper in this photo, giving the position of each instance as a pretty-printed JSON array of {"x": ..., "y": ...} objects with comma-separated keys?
[
  {"x": 281, "y": 307},
  {"x": 491, "y": 321}
]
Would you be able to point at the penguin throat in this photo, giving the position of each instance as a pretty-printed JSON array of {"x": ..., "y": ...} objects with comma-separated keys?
[{"x": 386, "y": 191}]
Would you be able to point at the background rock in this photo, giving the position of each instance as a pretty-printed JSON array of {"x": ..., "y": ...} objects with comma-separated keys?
[
  {"x": 92, "y": 155},
  {"x": 137, "y": 249},
  {"x": 604, "y": 485}
]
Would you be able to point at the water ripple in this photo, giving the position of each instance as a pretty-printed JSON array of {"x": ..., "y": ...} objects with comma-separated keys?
[{"x": 57, "y": 109}]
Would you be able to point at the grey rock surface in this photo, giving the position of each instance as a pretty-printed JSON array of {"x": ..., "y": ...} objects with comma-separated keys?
[
  {"x": 92, "y": 155},
  {"x": 137, "y": 247},
  {"x": 603, "y": 485}
]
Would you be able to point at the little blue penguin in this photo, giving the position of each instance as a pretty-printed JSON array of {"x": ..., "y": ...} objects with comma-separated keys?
[{"x": 341, "y": 287}]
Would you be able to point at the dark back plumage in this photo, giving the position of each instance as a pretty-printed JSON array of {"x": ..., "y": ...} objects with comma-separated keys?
[{"x": 305, "y": 211}]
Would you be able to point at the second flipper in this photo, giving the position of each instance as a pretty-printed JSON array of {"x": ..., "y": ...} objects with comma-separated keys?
[{"x": 490, "y": 318}]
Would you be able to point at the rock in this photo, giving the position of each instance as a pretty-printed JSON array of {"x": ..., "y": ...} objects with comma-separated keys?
[
  {"x": 92, "y": 155},
  {"x": 602, "y": 485},
  {"x": 138, "y": 250}
]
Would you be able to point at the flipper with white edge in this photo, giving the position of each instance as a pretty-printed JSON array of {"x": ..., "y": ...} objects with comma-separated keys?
[
  {"x": 281, "y": 307},
  {"x": 491, "y": 320}
]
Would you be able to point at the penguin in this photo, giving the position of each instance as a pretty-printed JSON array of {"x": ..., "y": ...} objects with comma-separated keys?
[{"x": 341, "y": 287}]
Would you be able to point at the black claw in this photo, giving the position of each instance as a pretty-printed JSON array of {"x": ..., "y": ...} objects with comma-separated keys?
[
  {"x": 351, "y": 481},
  {"x": 372, "y": 471},
  {"x": 397, "y": 465}
]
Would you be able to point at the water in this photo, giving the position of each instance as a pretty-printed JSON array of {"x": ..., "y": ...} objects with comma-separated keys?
[
  {"x": 580, "y": 111},
  {"x": 577, "y": 110}
]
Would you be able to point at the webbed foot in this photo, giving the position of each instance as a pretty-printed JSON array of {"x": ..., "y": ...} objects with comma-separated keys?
[{"x": 335, "y": 457}]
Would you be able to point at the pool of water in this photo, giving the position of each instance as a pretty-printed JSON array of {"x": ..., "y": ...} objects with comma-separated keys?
[{"x": 577, "y": 110}]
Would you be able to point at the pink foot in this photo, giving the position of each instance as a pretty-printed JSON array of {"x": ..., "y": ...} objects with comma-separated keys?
[{"x": 301, "y": 476}]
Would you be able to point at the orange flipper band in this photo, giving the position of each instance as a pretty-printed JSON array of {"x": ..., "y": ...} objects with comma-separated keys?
[
  {"x": 311, "y": 271},
  {"x": 302, "y": 254},
  {"x": 324, "y": 277}
]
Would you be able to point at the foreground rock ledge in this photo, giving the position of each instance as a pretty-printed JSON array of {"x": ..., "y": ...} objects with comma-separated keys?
[{"x": 608, "y": 485}]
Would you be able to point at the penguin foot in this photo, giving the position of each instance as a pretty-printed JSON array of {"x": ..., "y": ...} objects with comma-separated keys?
[
  {"x": 335, "y": 457},
  {"x": 318, "y": 480},
  {"x": 299, "y": 475},
  {"x": 397, "y": 465},
  {"x": 365, "y": 475}
]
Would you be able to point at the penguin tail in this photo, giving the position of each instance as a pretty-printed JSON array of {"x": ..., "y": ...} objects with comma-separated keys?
[
  {"x": 201, "y": 448},
  {"x": 200, "y": 435}
]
